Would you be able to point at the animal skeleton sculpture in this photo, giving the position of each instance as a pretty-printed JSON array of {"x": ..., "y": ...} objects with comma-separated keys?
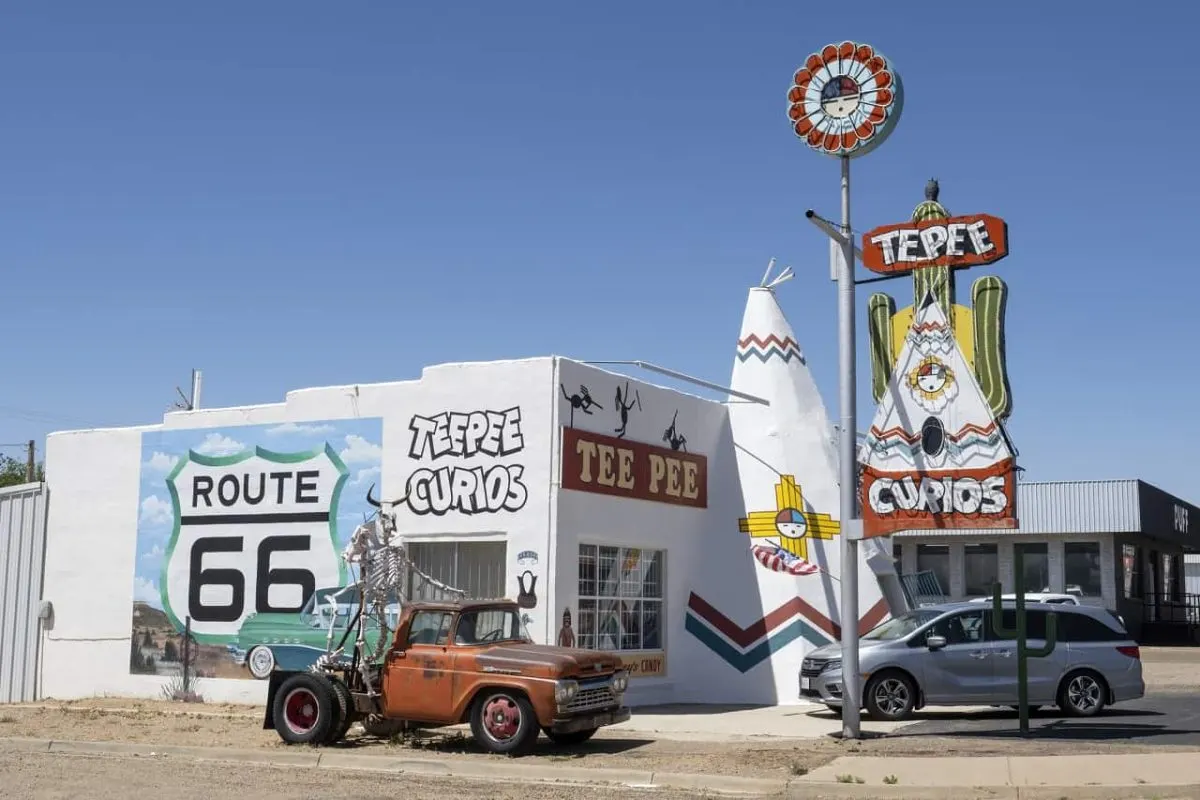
[{"x": 383, "y": 566}]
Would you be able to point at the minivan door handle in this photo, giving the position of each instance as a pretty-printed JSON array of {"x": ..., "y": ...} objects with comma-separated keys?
[
  {"x": 979, "y": 654},
  {"x": 1004, "y": 653}
]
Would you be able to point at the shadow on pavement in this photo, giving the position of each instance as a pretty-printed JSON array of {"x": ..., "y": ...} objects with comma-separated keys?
[
  {"x": 461, "y": 744},
  {"x": 1095, "y": 731}
]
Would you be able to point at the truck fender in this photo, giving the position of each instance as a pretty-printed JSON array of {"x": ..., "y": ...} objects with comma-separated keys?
[
  {"x": 273, "y": 683},
  {"x": 515, "y": 687}
]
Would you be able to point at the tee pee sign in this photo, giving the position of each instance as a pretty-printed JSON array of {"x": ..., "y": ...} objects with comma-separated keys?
[{"x": 936, "y": 454}]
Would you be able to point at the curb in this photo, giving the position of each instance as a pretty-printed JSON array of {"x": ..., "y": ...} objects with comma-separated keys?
[{"x": 512, "y": 772}]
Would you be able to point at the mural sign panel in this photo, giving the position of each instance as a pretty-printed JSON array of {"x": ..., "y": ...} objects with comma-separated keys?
[
  {"x": 593, "y": 462},
  {"x": 937, "y": 454},
  {"x": 240, "y": 534}
]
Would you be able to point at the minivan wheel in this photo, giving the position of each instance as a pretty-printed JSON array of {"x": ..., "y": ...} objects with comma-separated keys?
[
  {"x": 1082, "y": 694},
  {"x": 890, "y": 696}
]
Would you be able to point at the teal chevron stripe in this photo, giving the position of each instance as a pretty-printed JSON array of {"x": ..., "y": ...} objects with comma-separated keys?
[
  {"x": 744, "y": 662},
  {"x": 770, "y": 352}
]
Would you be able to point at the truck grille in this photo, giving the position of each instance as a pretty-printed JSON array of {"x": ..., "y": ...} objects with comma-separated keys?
[{"x": 592, "y": 699}]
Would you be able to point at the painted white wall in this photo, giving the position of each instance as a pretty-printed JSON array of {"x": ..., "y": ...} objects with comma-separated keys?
[
  {"x": 93, "y": 479},
  {"x": 702, "y": 546}
]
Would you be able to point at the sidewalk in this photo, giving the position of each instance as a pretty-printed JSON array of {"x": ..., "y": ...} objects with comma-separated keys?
[{"x": 1142, "y": 775}]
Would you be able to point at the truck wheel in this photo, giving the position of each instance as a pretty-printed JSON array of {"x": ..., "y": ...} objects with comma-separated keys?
[
  {"x": 305, "y": 709},
  {"x": 504, "y": 722},
  {"x": 260, "y": 661},
  {"x": 384, "y": 728},
  {"x": 345, "y": 711},
  {"x": 572, "y": 738}
]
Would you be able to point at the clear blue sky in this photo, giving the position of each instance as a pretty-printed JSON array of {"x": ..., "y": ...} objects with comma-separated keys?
[{"x": 290, "y": 194}]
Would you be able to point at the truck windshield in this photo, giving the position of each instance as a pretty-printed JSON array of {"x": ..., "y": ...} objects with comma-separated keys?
[
  {"x": 901, "y": 626},
  {"x": 487, "y": 625}
]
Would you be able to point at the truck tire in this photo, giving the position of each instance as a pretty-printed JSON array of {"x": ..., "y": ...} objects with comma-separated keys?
[
  {"x": 305, "y": 709},
  {"x": 570, "y": 739},
  {"x": 504, "y": 722},
  {"x": 384, "y": 728},
  {"x": 345, "y": 711}
]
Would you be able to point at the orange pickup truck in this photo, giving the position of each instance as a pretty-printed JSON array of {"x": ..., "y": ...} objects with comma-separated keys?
[{"x": 451, "y": 663}]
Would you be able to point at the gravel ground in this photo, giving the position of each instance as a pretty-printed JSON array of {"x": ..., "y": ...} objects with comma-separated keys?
[
  {"x": 205, "y": 725},
  {"x": 47, "y": 776}
]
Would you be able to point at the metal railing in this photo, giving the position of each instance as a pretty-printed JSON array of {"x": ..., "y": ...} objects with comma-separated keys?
[
  {"x": 1173, "y": 608},
  {"x": 923, "y": 589}
]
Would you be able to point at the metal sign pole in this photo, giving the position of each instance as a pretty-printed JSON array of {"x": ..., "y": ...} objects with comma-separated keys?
[{"x": 848, "y": 463}]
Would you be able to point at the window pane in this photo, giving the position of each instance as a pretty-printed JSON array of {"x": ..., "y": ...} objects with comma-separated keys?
[
  {"x": 608, "y": 625},
  {"x": 1129, "y": 561},
  {"x": 935, "y": 558},
  {"x": 651, "y": 620},
  {"x": 631, "y": 624},
  {"x": 1035, "y": 623},
  {"x": 981, "y": 568},
  {"x": 652, "y": 573},
  {"x": 1082, "y": 628},
  {"x": 1081, "y": 568},
  {"x": 608, "y": 578},
  {"x": 631, "y": 573},
  {"x": 587, "y": 570},
  {"x": 1037, "y": 567},
  {"x": 586, "y": 626}
]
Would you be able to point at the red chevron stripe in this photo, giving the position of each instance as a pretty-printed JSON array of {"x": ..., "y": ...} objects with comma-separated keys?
[
  {"x": 896, "y": 432},
  {"x": 928, "y": 326},
  {"x": 753, "y": 339},
  {"x": 744, "y": 637}
]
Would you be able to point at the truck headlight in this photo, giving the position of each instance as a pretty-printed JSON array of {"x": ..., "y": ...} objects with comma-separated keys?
[
  {"x": 620, "y": 681},
  {"x": 564, "y": 691}
]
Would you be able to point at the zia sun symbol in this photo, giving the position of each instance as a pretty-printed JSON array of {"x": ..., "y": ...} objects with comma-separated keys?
[
  {"x": 845, "y": 100},
  {"x": 932, "y": 384}
]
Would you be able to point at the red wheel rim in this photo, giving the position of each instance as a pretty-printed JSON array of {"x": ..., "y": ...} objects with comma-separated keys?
[
  {"x": 501, "y": 718},
  {"x": 300, "y": 710}
]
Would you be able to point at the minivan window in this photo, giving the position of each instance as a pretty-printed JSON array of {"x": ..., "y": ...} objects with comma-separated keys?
[
  {"x": 1035, "y": 622},
  {"x": 901, "y": 626},
  {"x": 959, "y": 628},
  {"x": 1083, "y": 628}
]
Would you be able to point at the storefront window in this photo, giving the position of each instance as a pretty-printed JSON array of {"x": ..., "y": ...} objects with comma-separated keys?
[
  {"x": 981, "y": 568},
  {"x": 1081, "y": 568},
  {"x": 620, "y": 598},
  {"x": 1037, "y": 566},
  {"x": 935, "y": 558}
]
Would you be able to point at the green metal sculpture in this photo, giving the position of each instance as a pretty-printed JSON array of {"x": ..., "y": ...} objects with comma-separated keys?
[{"x": 1018, "y": 632}]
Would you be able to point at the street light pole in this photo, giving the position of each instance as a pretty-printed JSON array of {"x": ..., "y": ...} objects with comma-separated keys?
[{"x": 851, "y": 692}]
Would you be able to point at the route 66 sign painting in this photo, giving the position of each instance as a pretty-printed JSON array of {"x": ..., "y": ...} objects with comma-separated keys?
[
  {"x": 240, "y": 534},
  {"x": 253, "y": 535},
  {"x": 845, "y": 100}
]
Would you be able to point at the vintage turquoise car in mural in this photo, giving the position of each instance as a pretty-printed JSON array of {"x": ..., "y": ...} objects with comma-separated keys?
[{"x": 293, "y": 642}]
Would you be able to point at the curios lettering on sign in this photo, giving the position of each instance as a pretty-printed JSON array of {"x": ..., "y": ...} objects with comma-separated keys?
[
  {"x": 466, "y": 489},
  {"x": 959, "y": 500}
]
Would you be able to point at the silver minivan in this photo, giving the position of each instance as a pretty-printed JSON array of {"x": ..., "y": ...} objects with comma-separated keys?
[{"x": 949, "y": 655}]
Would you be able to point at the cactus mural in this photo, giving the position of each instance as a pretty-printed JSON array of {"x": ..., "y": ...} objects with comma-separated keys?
[
  {"x": 979, "y": 328},
  {"x": 1024, "y": 651}
]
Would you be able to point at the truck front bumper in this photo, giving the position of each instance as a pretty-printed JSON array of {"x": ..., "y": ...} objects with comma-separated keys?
[{"x": 586, "y": 722}]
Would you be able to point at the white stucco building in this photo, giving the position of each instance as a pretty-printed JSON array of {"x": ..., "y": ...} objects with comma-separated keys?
[{"x": 697, "y": 538}]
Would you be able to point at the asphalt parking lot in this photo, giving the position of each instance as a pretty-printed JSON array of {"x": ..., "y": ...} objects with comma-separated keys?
[{"x": 1169, "y": 718}]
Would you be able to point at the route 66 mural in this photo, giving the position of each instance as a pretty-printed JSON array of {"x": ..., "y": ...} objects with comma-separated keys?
[{"x": 240, "y": 531}]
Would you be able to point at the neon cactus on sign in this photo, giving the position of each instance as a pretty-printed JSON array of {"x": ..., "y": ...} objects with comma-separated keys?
[{"x": 845, "y": 100}]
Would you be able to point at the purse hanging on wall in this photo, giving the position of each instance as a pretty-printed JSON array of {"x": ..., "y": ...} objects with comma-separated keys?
[{"x": 526, "y": 597}]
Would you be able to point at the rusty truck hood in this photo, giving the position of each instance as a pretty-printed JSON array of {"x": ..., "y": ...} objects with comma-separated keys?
[{"x": 547, "y": 661}]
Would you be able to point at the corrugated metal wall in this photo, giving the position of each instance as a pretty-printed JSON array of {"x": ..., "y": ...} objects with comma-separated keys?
[
  {"x": 22, "y": 545},
  {"x": 1065, "y": 507}
]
